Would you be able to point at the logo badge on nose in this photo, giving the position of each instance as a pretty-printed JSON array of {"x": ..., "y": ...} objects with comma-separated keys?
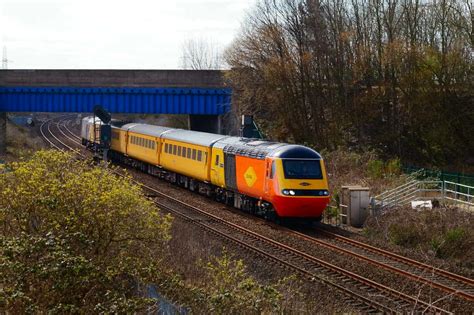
[
  {"x": 304, "y": 184},
  {"x": 250, "y": 176}
]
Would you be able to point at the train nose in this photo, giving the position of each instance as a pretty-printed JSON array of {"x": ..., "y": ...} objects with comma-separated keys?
[{"x": 304, "y": 207}]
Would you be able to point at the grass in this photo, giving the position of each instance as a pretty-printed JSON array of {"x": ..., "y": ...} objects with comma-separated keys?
[
  {"x": 21, "y": 141},
  {"x": 445, "y": 232}
]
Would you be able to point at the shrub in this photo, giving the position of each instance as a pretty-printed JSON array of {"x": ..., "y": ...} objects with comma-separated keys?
[
  {"x": 75, "y": 237},
  {"x": 394, "y": 167},
  {"x": 404, "y": 235},
  {"x": 229, "y": 289},
  {"x": 375, "y": 168},
  {"x": 443, "y": 232},
  {"x": 456, "y": 242}
]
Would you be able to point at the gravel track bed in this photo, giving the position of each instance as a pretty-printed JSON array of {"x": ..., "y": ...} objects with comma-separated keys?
[{"x": 407, "y": 252}]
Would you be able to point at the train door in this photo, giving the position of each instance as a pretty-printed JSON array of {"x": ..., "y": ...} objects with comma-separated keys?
[
  {"x": 217, "y": 167},
  {"x": 268, "y": 176},
  {"x": 230, "y": 171}
]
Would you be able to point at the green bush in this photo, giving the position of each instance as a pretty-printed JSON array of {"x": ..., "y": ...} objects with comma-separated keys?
[
  {"x": 229, "y": 289},
  {"x": 404, "y": 235},
  {"x": 75, "y": 237},
  {"x": 394, "y": 167},
  {"x": 443, "y": 232},
  {"x": 455, "y": 243},
  {"x": 375, "y": 168}
]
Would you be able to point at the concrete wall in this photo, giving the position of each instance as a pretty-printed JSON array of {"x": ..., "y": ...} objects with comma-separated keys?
[{"x": 113, "y": 78}]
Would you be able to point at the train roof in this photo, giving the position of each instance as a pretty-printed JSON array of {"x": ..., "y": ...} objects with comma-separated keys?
[
  {"x": 254, "y": 148},
  {"x": 149, "y": 130},
  {"x": 260, "y": 149},
  {"x": 294, "y": 151},
  {"x": 194, "y": 137}
]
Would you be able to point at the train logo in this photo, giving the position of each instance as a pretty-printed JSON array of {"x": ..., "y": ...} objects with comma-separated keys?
[{"x": 250, "y": 176}]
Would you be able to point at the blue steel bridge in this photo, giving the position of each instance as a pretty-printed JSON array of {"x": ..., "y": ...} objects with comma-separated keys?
[
  {"x": 191, "y": 101},
  {"x": 201, "y": 94}
]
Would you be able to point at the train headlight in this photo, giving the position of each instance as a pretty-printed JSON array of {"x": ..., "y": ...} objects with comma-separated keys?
[
  {"x": 285, "y": 192},
  {"x": 292, "y": 192}
]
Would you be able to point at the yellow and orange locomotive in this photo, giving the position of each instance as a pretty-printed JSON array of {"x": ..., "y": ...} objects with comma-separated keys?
[{"x": 270, "y": 179}]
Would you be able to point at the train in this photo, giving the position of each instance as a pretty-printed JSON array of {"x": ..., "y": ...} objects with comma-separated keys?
[{"x": 269, "y": 179}]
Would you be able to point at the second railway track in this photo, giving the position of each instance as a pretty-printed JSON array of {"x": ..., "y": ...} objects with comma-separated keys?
[{"x": 365, "y": 294}]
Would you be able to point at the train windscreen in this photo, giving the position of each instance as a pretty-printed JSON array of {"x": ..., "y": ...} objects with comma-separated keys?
[{"x": 302, "y": 169}]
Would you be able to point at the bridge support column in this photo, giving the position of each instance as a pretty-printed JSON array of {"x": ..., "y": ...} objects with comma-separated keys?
[
  {"x": 206, "y": 123},
  {"x": 3, "y": 132}
]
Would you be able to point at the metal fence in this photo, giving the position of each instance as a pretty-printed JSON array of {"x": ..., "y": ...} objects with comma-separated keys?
[
  {"x": 423, "y": 173},
  {"x": 445, "y": 191}
]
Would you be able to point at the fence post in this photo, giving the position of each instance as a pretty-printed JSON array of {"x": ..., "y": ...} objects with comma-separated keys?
[{"x": 443, "y": 186}]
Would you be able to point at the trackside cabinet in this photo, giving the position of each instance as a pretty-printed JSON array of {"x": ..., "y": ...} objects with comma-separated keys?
[{"x": 354, "y": 206}]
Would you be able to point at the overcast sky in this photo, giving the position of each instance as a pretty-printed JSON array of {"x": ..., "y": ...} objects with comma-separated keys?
[{"x": 112, "y": 34}]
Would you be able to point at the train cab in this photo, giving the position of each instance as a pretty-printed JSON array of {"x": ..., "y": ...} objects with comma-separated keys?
[{"x": 297, "y": 182}]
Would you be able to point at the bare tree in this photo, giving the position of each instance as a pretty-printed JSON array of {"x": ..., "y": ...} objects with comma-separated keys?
[
  {"x": 391, "y": 75},
  {"x": 201, "y": 54}
]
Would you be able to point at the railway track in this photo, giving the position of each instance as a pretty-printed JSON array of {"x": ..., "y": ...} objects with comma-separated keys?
[
  {"x": 415, "y": 270},
  {"x": 365, "y": 294}
]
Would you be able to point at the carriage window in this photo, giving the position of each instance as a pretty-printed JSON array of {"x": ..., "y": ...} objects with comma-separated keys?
[
  {"x": 217, "y": 159},
  {"x": 194, "y": 154},
  {"x": 179, "y": 150},
  {"x": 175, "y": 148},
  {"x": 189, "y": 153},
  {"x": 183, "y": 152},
  {"x": 199, "y": 156}
]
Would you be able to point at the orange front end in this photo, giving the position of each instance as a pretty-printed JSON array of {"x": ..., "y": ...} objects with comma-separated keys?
[
  {"x": 299, "y": 207},
  {"x": 298, "y": 187}
]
